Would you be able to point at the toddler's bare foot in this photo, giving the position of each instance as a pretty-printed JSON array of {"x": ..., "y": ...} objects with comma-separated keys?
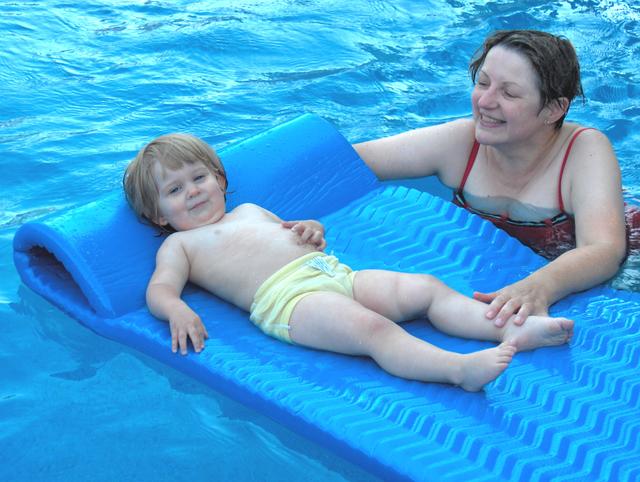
[
  {"x": 481, "y": 367},
  {"x": 538, "y": 331}
]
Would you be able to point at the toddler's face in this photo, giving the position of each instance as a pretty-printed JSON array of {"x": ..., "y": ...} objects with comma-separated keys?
[{"x": 188, "y": 197}]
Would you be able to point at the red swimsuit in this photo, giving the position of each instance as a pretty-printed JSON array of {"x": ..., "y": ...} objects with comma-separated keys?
[
  {"x": 553, "y": 236},
  {"x": 550, "y": 237}
]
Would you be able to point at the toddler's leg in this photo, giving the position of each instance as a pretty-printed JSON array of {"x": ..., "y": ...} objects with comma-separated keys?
[
  {"x": 333, "y": 322},
  {"x": 406, "y": 296}
]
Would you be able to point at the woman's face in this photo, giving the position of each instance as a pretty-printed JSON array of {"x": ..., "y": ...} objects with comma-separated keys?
[{"x": 506, "y": 99}]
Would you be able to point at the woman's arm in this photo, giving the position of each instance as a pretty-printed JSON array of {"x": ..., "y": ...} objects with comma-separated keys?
[
  {"x": 441, "y": 149},
  {"x": 593, "y": 193}
]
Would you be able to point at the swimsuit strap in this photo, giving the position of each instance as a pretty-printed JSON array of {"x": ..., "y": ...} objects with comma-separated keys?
[
  {"x": 472, "y": 159},
  {"x": 564, "y": 162}
]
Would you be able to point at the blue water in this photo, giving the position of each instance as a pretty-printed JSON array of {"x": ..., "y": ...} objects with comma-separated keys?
[{"x": 86, "y": 84}]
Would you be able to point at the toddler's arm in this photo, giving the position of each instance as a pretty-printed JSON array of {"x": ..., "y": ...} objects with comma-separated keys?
[
  {"x": 164, "y": 301},
  {"x": 309, "y": 231}
]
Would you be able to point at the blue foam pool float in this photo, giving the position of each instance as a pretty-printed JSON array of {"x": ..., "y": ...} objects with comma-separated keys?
[{"x": 562, "y": 413}]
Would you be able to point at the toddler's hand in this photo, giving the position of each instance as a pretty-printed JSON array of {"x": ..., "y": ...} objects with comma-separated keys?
[
  {"x": 309, "y": 232},
  {"x": 185, "y": 326}
]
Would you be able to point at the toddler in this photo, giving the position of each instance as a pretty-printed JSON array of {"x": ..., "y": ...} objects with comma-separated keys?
[{"x": 277, "y": 271}]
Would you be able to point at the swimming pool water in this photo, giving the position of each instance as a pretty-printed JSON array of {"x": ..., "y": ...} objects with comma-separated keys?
[{"x": 86, "y": 84}]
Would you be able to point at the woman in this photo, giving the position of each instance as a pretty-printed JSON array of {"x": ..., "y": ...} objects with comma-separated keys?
[{"x": 554, "y": 185}]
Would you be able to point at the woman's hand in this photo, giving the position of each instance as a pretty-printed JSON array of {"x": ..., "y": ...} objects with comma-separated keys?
[
  {"x": 523, "y": 298},
  {"x": 309, "y": 232}
]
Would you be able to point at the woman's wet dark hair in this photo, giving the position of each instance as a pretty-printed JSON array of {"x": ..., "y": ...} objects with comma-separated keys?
[{"x": 553, "y": 58}]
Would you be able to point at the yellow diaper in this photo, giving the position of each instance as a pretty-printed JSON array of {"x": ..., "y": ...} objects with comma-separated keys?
[{"x": 278, "y": 295}]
